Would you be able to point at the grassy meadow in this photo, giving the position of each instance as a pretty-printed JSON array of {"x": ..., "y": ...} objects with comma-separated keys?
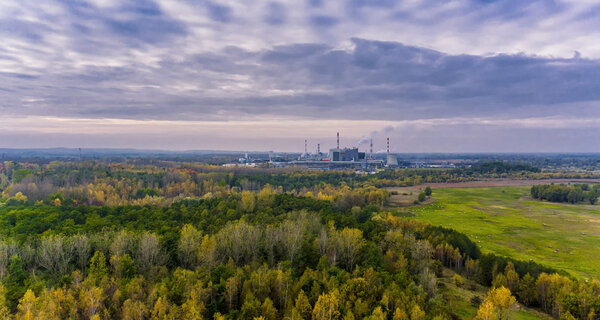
[{"x": 505, "y": 221}]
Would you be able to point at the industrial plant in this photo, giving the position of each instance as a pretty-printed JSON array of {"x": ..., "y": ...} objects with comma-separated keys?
[{"x": 340, "y": 158}]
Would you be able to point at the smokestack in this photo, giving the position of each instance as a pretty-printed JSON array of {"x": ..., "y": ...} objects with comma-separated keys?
[
  {"x": 388, "y": 145},
  {"x": 338, "y": 140},
  {"x": 371, "y": 150},
  {"x": 318, "y": 149},
  {"x": 305, "y": 147}
]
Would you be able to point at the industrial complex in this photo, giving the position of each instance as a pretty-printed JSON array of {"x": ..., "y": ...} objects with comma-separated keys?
[
  {"x": 346, "y": 158},
  {"x": 340, "y": 158}
]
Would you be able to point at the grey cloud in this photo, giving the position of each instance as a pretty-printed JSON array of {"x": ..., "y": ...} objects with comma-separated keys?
[
  {"x": 276, "y": 14},
  {"x": 374, "y": 80},
  {"x": 219, "y": 12},
  {"x": 322, "y": 21}
]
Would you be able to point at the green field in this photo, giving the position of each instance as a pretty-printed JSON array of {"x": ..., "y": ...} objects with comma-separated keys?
[{"x": 504, "y": 221}]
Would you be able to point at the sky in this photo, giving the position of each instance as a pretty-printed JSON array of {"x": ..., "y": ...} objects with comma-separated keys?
[{"x": 434, "y": 76}]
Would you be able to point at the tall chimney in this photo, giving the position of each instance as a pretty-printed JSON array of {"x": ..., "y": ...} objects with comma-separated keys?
[
  {"x": 305, "y": 147},
  {"x": 338, "y": 140},
  {"x": 318, "y": 149},
  {"x": 371, "y": 150},
  {"x": 388, "y": 145}
]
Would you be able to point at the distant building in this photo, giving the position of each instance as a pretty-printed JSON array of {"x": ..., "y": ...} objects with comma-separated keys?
[
  {"x": 392, "y": 160},
  {"x": 346, "y": 154}
]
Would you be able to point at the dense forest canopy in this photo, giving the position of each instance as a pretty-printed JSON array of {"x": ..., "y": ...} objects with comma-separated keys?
[{"x": 89, "y": 240}]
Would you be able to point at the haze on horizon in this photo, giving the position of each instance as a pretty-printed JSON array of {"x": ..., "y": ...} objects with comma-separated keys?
[{"x": 434, "y": 76}]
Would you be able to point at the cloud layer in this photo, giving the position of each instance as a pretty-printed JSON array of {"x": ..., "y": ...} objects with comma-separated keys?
[{"x": 451, "y": 71}]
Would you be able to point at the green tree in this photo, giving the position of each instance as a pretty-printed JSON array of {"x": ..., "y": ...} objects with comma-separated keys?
[
  {"x": 98, "y": 268},
  {"x": 428, "y": 191}
]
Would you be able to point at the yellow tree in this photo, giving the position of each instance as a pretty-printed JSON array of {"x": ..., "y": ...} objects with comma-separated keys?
[
  {"x": 400, "y": 314},
  {"x": 4, "y": 311},
  {"x": 416, "y": 313},
  {"x": 303, "y": 306},
  {"x": 163, "y": 310},
  {"x": 327, "y": 307},
  {"x": 499, "y": 301},
  {"x": 268, "y": 311},
  {"x": 189, "y": 241},
  {"x": 27, "y": 306},
  {"x": 486, "y": 311},
  {"x": 232, "y": 287},
  {"x": 91, "y": 301},
  {"x": 378, "y": 314},
  {"x": 248, "y": 201},
  {"x": 134, "y": 310}
]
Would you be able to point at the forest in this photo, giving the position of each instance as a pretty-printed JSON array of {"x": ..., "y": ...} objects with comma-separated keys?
[
  {"x": 567, "y": 193},
  {"x": 234, "y": 246},
  {"x": 165, "y": 182}
]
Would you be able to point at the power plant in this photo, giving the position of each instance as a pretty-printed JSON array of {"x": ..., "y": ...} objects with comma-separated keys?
[{"x": 341, "y": 158}]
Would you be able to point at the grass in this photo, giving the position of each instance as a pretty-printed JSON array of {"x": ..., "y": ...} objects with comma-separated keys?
[{"x": 504, "y": 221}]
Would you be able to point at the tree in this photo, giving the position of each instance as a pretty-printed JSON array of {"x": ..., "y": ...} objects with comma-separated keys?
[
  {"x": 458, "y": 280},
  {"x": 527, "y": 290},
  {"x": 27, "y": 308},
  {"x": 326, "y": 307},
  {"x": 149, "y": 253},
  {"x": 428, "y": 191},
  {"x": 268, "y": 311},
  {"x": 303, "y": 306},
  {"x": 91, "y": 300},
  {"x": 248, "y": 201},
  {"x": 378, "y": 314},
  {"x": 15, "y": 284},
  {"x": 98, "y": 269},
  {"x": 133, "y": 310},
  {"x": 500, "y": 300},
  {"x": 206, "y": 254},
  {"x": 54, "y": 254},
  {"x": 416, "y": 313},
  {"x": 512, "y": 277},
  {"x": 400, "y": 314},
  {"x": 162, "y": 310},
  {"x": 486, "y": 311},
  {"x": 189, "y": 242},
  {"x": 4, "y": 310},
  {"x": 82, "y": 249},
  {"x": 232, "y": 287},
  {"x": 348, "y": 242}
]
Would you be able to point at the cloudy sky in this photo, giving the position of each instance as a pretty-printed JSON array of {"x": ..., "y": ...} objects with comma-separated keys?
[{"x": 434, "y": 76}]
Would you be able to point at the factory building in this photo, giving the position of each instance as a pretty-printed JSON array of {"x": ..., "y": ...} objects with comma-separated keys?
[
  {"x": 392, "y": 159},
  {"x": 341, "y": 158},
  {"x": 346, "y": 154}
]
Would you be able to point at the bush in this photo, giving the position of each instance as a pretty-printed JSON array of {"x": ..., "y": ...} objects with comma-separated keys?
[
  {"x": 457, "y": 280},
  {"x": 428, "y": 191},
  {"x": 422, "y": 197},
  {"x": 476, "y": 301}
]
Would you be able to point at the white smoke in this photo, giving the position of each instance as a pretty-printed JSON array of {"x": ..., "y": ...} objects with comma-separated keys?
[{"x": 363, "y": 140}]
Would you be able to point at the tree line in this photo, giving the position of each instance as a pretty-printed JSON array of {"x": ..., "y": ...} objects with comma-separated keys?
[{"x": 575, "y": 193}]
